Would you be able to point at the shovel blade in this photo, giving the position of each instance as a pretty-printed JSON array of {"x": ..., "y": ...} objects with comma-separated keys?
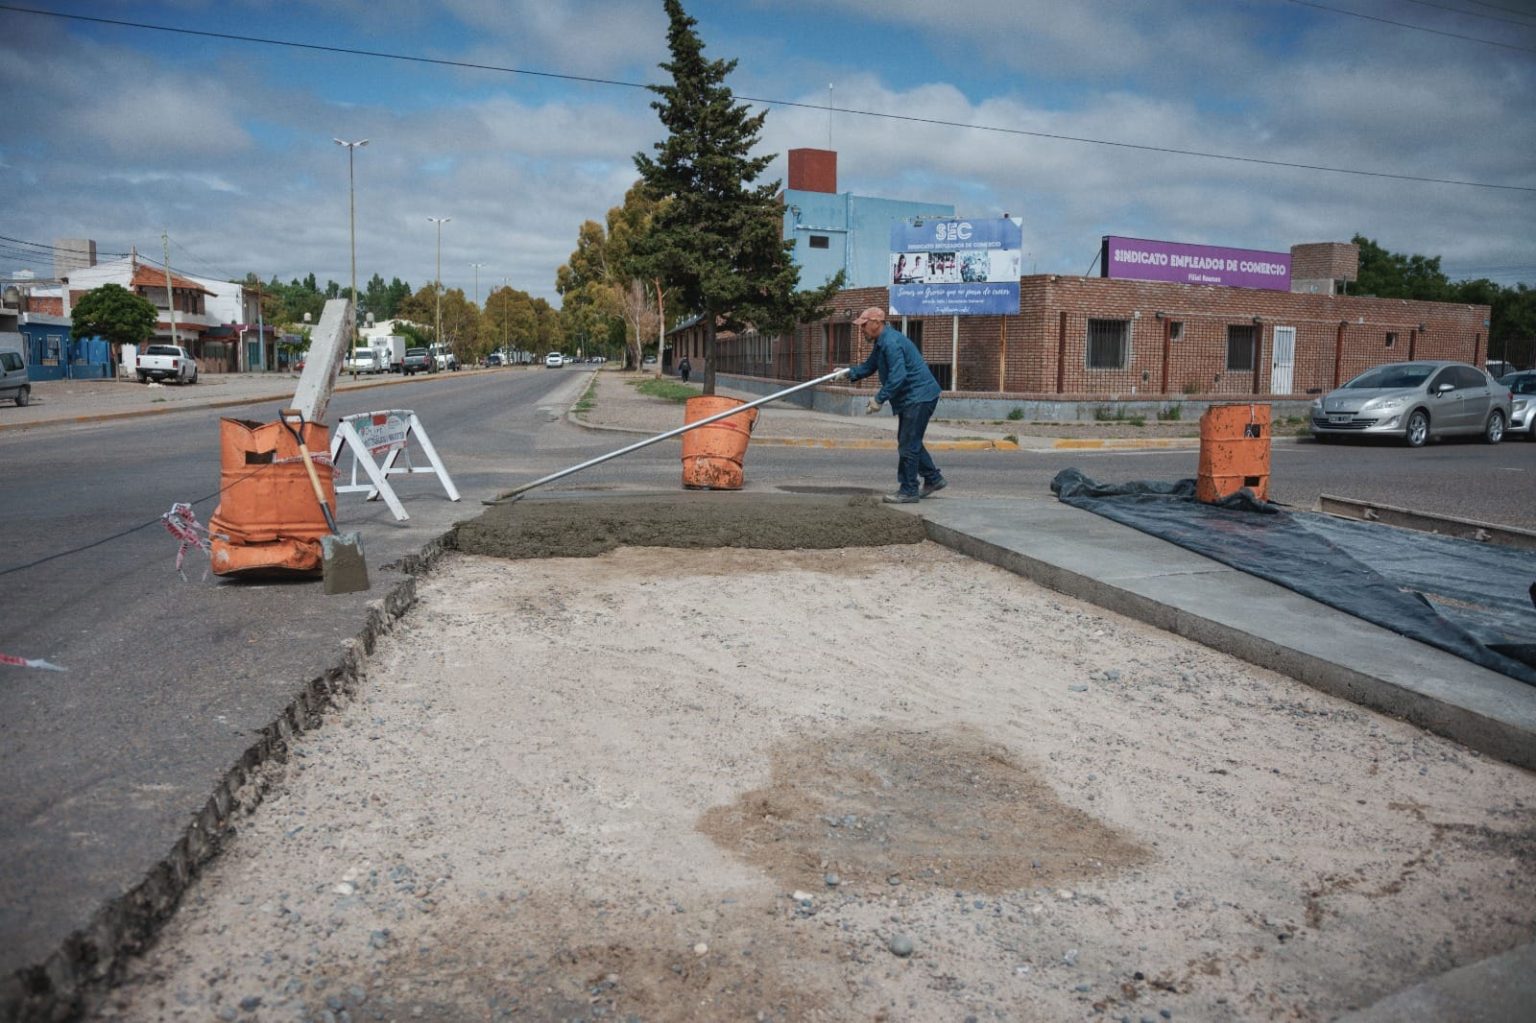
[{"x": 341, "y": 559}]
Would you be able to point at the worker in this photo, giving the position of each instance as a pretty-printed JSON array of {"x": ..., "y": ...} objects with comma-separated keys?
[{"x": 910, "y": 387}]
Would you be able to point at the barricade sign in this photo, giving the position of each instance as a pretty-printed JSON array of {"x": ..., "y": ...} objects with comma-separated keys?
[{"x": 386, "y": 435}]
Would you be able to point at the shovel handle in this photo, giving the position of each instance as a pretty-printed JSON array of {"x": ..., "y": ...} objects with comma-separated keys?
[{"x": 286, "y": 417}]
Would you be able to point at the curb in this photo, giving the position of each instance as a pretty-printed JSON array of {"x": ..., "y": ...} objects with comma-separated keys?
[
  {"x": 849, "y": 444},
  {"x": 93, "y": 956},
  {"x": 194, "y": 405}
]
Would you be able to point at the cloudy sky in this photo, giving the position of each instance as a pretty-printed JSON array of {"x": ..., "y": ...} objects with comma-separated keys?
[{"x": 118, "y": 133}]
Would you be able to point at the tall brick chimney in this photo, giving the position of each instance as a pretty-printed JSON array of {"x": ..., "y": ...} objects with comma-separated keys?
[{"x": 813, "y": 170}]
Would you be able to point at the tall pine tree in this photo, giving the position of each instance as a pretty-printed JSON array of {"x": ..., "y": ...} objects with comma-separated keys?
[{"x": 717, "y": 246}]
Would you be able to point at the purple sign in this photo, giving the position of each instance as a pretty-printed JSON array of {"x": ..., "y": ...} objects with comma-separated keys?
[{"x": 1138, "y": 259}]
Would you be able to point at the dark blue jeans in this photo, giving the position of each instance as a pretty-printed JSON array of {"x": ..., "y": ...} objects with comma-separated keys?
[{"x": 914, "y": 460}]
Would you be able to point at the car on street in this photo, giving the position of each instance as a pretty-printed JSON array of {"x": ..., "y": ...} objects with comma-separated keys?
[
  {"x": 1498, "y": 368},
  {"x": 1415, "y": 402},
  {"x": 554, "y": 360},
  {"x": 418, "y": 360},
  {"x": 165, "y": 362},
  {"x": 649, "y": 360},
  {"x": 14, "y": 382},
  {"x": 1522, "y": 412}
]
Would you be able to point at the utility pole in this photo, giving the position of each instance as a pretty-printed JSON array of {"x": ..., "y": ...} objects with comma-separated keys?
[
  {"x": 437, "y": 282},
  {"x": 170, "y": 296}
]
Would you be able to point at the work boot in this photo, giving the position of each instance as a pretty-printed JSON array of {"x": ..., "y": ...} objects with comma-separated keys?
[
  {"x": 900, "y": 498},
  {"x": 933, "y": 487}
]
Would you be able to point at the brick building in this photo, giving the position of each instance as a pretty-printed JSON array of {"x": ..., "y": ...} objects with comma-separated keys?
[{"x": 1096, "y": 337}]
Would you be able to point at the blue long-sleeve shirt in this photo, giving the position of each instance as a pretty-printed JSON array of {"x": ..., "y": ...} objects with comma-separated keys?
[{"x": 905, "y": 378}]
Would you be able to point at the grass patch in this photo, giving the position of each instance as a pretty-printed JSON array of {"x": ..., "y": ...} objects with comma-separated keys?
[
  {"x": 1012, "y": 437},
  {"x": 1137, "y": 420},
  {"x": 667, "y": 390},
  {"x": 1171, "y": 414},
  {"x": 588, "y": 399},
  {"x": 1016, "y": 414}
]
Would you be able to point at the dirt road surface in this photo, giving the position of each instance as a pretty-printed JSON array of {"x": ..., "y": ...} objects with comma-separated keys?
[{"x": 861, "y": 783}]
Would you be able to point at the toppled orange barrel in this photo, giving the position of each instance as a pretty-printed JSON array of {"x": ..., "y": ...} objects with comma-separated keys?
[
  {"x": 712, "y": 454},
  {"x": 268, "y": 521},
  {"x": 1234, "y": 452}
]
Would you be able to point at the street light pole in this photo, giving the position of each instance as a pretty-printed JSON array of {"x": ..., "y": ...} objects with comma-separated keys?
[
  {"x": 352, "y": 148},
  {"x": 437, "y": 283},
  {"x": 477, "y": 267}
]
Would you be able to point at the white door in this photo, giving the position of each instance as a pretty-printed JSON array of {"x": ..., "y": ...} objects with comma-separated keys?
[{"x": 1283, "y": 365}]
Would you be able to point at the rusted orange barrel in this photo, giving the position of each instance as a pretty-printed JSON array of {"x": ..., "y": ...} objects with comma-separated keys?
[
  {"x": 268, "y": 521},
  {"x": 712, "y": 454},
  {"x": 1234, "y": 452}
]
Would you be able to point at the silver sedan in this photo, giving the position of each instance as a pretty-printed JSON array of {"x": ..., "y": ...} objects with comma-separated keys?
[
  {"x": 1522, "y": 415},
  {"x": 1417, "y": 402}
]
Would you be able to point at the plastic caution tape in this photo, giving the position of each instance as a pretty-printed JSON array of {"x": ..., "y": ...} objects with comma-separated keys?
[
  {"x": 23, "y": 662},
  {"x": 181, "y": 522}
]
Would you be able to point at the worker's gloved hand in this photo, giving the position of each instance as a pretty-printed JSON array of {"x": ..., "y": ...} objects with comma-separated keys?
[
  {"x": 873, "y": 407},
  {"x": 845, "y": 371}
]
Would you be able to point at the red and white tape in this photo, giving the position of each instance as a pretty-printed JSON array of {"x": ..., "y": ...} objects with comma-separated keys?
[
  {"x": 35, "y": 662},
  {"x": 182, "y": 523}
]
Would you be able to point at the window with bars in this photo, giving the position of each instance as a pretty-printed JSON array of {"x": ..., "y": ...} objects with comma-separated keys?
[
  {"x": 1109, "y": 344},
  {"x": 839, "y": 343},
  {"x": 914, "y": 332},
  {"x": 1240, "y": 348}
]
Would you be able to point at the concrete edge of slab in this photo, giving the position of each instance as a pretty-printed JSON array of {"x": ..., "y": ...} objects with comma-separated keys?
[
  {"x": 1502, "y": 740},
  {"x": 1499, "y": 989},
  {"x": 91, "y": 958}
]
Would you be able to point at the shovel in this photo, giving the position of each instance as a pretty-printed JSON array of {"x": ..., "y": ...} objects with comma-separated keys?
[{"x": 341, "y": 554}]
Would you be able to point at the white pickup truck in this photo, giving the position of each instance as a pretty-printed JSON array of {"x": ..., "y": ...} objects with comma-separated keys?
[{"x": 165, "y": 362}]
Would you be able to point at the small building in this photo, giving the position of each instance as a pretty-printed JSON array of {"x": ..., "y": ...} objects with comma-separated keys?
[
  {"x": 1097, "y": 338},
  {"x": 846, "y": 232}
]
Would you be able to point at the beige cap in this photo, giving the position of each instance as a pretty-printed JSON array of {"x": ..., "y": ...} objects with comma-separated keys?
[{"x": 873, "y": 313}]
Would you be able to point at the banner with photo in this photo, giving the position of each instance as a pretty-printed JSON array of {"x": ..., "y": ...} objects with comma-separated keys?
[{"x": 955, "y": 267}]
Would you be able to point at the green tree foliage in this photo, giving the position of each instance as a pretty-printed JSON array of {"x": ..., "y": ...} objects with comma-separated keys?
[
  {"x": 115, "y": 313},
  {"x": 1512, "y": 319},
  {"x": 717, "y": 242},
  {"x": 382, "y": 300}
]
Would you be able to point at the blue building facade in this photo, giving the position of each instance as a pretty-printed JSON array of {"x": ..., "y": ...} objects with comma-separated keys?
[{"x": 835, "y": 231}]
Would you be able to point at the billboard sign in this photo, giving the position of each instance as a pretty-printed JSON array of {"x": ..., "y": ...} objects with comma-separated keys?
[
  {"x": 955, "y": 267},
  {"x": 1138, "y": 259}
]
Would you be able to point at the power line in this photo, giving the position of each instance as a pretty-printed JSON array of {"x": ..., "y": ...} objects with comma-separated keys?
[
  {"x": 1416, "y": 28},
  {"x": 905, "y": 118},
  {"x": 1498, "y": 7},
  {"x": 1470, "y": 14}
]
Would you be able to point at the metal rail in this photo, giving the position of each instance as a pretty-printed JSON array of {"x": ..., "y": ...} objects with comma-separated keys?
[
  {"x": 517, "y": 492},
  {"x": 1424, "y": 522}
]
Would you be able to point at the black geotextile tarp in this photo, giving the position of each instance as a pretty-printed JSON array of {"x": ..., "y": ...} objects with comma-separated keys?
[{"x": 1467, "y": 598}]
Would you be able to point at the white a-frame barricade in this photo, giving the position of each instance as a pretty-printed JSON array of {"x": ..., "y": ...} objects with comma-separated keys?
[{"x": 371, "y": 435}]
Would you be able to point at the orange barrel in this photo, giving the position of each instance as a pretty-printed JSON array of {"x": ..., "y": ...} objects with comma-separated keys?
[
  {"x": 268, "y": 520},
  {"x": 712, "y": 454},
  {"x": 1234, "y": 452}
]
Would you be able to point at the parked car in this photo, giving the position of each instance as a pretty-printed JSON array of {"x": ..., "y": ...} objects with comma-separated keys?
[
  {"x": 165, "y": 362},
  {"x": 554, "y": 360},
  {"x": 418, "y": 360},
  {"x": 1417, "y": 402},
  {"x": 649, "y": 360},
  {"x": 443, "y": 358},
  {"x": 494, "y": 359},
  {"x": 1522, "y": 412},
  {"x": 1498, "y": 368},
  {"x": 367, "y": 360},
  {"x": 14, "y": 382}
]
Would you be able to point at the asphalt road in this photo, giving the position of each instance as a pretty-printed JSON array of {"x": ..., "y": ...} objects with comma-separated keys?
[{"x": 170, "y": 681}]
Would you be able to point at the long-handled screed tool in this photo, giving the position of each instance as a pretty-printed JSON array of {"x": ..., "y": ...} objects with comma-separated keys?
[
  {"x": 341, "y": 554},
  {"x": 517, "y": 492}
]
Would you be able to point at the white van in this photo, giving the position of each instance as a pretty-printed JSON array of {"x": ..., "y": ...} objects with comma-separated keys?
[
  {"x": 554, "y": 360},
  {"x": 14, "y": 382}
]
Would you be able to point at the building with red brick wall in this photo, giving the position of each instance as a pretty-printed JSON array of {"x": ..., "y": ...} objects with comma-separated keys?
[{"x": 1096, "y": 337}]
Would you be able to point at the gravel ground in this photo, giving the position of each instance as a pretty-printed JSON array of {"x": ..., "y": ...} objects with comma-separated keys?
[{"x": 877, "y": 783}]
